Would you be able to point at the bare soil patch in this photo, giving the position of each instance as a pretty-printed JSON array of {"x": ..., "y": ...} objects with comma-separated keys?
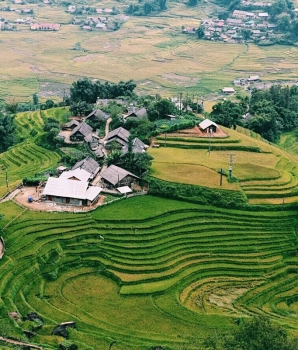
[
  {"x": 41, "y": 205},
  {"x": 197, "y": 132}
]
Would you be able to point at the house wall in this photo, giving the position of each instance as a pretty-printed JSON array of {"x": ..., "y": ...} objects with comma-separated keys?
[{"x": 63, "y": 200}]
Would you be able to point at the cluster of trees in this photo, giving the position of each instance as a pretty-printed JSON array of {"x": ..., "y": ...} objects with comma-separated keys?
[
  {"x": 228, "y": 113},
  {"x": 274, "y": 110},
  {"x": 257, "y": 334},
  {"x": 147, "y": 7},
  {"x": 271, "y": 111}
]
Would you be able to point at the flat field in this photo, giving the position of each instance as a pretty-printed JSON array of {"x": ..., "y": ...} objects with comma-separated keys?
[
  {"x": 147, "y": 271},
  {"x": 151, "y": 50}
]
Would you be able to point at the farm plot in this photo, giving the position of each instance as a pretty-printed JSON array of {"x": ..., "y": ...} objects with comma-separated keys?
[
  {"x": 24, "y": 160},
  {"x": 264, "y": 172},
  {"x": 170, "y": 264},
  {"x": 150, "y": 49}
]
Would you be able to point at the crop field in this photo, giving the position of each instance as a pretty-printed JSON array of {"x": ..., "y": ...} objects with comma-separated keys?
[
  {"x": 151, "y": 50},
  {"x": 148, "y": 272},
  {"x": 266, "y": 173},
  {"x": 24, "y": 160}
]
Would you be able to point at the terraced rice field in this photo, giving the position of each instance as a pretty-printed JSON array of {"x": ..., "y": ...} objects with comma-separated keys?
[
  {"x": 30, "y": 124},
  {"x": 24, "y": 160},
  {"x": 266, "y": 173},
  {"x": 148, "y": 271}
]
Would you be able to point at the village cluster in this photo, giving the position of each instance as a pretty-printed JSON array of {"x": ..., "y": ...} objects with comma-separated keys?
[
  {"x": 87, "y": 18},
  {"x": 87, "y": 180},
  {"x": 84, "y": 182},
  {"x": 241, "y": 26}
]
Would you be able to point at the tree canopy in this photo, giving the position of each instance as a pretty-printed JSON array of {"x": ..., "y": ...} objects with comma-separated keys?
[
  {"x": 7, "y": 128},
  {"x": 88, "y": 91}
]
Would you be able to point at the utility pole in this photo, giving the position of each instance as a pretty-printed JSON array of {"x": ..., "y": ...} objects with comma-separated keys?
[
  {"x": 210, "y": 132},
  {"x": 231, "y": 162},
  {"x": 180, "y": 101},
  {"x": 6, "y": 177},
  {"x": 221, "y": 174}
]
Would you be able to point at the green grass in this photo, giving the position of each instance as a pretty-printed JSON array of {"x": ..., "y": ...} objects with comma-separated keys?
[{"x": 148, "y": 271}]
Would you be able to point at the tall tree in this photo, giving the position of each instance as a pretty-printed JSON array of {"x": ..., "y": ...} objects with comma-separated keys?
[{"x": 7, "y": 128}]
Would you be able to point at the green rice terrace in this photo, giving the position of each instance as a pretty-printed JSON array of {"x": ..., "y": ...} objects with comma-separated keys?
[{"x": 148, "y": 271}]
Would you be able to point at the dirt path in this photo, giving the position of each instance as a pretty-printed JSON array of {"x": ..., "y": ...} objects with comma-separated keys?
[
  {"x": 11, "y": 195},
  {"x": 107, "y": 127},
  {"x": 15, "y": 342}
]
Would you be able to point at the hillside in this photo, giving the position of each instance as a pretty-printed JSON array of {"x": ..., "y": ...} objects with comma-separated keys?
[
  {"x": 173, "y": 266},
  {"x": 264, "y": 172}
]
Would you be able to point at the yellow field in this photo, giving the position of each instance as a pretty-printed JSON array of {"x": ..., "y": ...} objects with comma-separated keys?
[{"x": 152, "y": 51}]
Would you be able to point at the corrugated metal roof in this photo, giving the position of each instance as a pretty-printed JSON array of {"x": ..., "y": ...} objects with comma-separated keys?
[
  {"x": 65, "y": 188},
  {"x": 119, "y": 132},
  {"x": 80, "y": 174},
  {"x": 113, "y": 174},
  {"x": 206, "y": 123},
  {"x": 93, "y": 192},
  {"x": 83, "y": 128},
  {"x": 60, "y": 187},
  {"x": 88, "y": 164},
  {"x": 124, "y": 189}
]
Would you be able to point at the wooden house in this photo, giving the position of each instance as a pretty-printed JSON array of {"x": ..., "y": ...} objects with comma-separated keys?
[{"x": 114, "y": 176}]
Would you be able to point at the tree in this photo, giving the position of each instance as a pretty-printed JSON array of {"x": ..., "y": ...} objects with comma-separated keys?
[
  {"x": 246, "y": 33},
  {"x": 201, "y": 32},
  {"x": 159, "y": 109},
  {"x": 192, "y": 2},
  {"x": 277, "y": 8},
  {"x": 35, "y": 99},
  {"x": 283, "y": 23},
  {"x": 223, "y": 15},
  {"x": 259, "y": 334},
  {"x": 227, "y": 113},
  {"x": 162, "y": 4},
  {"x": 82, "y": 90},
  {"x": 7, "y": 128}
]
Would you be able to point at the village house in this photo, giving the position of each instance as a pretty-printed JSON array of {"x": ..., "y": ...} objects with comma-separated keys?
[
  {"x": 77, "y": 174},
  {"x": 119, "y": 135},
  {"x": 114, "y": 176},
  {"x": 243, "y": 14},
  {"x": 81, "y": 132},
  {"x": 228, "y": 90},
  {"x": 45, "y": 26},
  {"x": 263, "y": 15},
  {"x": 97, "y": 115},
  {"x": 253, "y": 78},
  {"x": 137, "y": 146},
  {"x": 89, "y": 165},
  {"x": 71, "y": 191},
  {"x": 71, "y": 125},
  {"x": 135, "y": 114},
  {"x": 208, "y": 126}
]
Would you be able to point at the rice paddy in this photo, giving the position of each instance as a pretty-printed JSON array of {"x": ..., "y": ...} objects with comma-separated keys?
[
  {"x": 148, "y": 272},
  {"x": 151, "y": 50}
]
